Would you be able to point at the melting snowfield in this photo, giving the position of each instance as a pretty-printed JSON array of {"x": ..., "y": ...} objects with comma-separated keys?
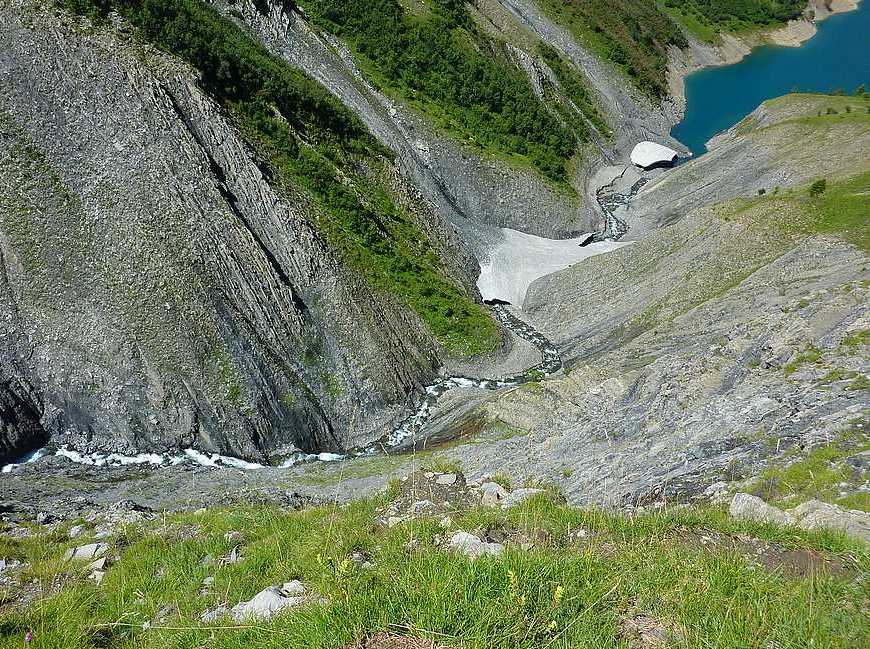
[{"x": 519, "y": 259}]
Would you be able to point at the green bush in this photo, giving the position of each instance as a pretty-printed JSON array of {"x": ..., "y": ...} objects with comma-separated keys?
[
  {"x": 735, "y": 15},
  {"x": 818, "y": 188},
  {"x": 633, "y": 34}
]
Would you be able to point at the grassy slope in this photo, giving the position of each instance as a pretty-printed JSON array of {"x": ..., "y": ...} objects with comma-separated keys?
[
  {"x": 564, "y": 592},
  {"x": 636, "y": 34},
  {"x": 313, "y": 143},
  {"x": 438, "y": 60},
  {"x": 707, "y": 18}
]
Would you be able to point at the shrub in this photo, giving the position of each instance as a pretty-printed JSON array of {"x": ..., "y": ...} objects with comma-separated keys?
[{"x": 818, "y": 188}]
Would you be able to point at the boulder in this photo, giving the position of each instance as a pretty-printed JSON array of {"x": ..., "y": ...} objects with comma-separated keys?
[
  {"x": 814, "y": 514},
  {"x": 492, "y": 494},
  {"x": 650, "y": 155},
  {"x": 76, "y": 531},
  {"x": 87, "y": 552},
  {"x": 267, "y": 602},
  {"x": 473, "y": 547},
  {"x": 753, "y": 508},
  {"x": 446, "y": 479}
]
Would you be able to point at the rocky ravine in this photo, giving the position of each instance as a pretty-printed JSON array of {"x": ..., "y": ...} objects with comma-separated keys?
[{"x": 156, "y": 293}]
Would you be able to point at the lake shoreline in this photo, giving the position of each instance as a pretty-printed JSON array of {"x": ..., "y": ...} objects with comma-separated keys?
[{"x": 733, "y": 48}]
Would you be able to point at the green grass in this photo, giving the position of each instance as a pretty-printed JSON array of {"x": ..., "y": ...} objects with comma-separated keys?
[
  {"x": 810, "y": 355},
  {"x": 632, "y": 34},
  {"x": 558, "y": 594},
  {"x": 798, "y": 477},
  {"x": 440, "y": 62}
]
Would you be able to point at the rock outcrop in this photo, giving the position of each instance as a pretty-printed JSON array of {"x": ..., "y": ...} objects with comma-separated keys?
[{"x": 156, "y": 291}]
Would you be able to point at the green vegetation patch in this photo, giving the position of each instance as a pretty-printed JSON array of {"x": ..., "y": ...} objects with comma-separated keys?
[
  {"x": 441, "y": 62},
  {"x": 706, "y": 18},
  {"x": 633, "y": 34},
  {"x": 574, "y": 85},
  {"x": 569, "y": 590},
  {"x": 311, "y": 141},
  {"x": 798, "y": 477}
]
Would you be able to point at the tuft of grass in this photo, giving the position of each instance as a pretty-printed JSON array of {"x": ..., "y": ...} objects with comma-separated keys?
[
  {"x": 441, "y": 464},
  {"x": 810, "y": 354}
]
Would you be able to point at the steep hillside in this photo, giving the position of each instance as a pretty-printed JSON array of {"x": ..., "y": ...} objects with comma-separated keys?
[
  {"x": 722, "y": 337},
  {"x": 232, "y": 264}
]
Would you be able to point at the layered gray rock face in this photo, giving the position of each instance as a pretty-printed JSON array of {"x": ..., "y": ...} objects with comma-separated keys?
[{"x": 155, "y": 292}]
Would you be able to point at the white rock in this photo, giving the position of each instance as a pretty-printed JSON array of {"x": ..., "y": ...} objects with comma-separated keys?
[
  {"x": 748, "y": 507},
  {"x": 87, "y": 552},
  {"x": 471, "y": 546},
  {"x": 99, "y": 564},
  {"x": 649, "y": 154},
  {"x": 76, "y": 531},
  {"x": 815, "y": 514},
  {"x": 492, "y": 493},
  {"x": 446, "y": 479},
  {"x": 518, "y": 496},
  {"x": 264, "y": 605},
  {"x": 293, "y": 588}
]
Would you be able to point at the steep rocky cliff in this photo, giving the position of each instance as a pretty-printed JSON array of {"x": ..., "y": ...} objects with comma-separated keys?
[{"x": 157, "y": 291}]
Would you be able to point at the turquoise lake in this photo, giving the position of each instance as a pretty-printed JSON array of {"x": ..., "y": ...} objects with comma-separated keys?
[{"x": 837, "y": 57}]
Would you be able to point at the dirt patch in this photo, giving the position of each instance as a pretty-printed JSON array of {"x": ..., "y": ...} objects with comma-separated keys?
[
  {"x": 772, "y": 556},
  {"x": 390, "y": 641},
  {"x": 641, "y": 631}
]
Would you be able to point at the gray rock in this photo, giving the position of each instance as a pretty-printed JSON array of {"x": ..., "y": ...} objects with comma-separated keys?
[
  {"x": 214, "y": 614},
  {"x": 293, "y": 588},
  {"x": 492, "y": 494},
  {"x": 446, "y": 479},
  {"x": 860, "y": 461},
  {"x": 87, "y": 552},
  {"x": 518, "y": 496},
  {"x": 471, "y": 546},
  {"x": 76, "y": 531},
  {"x": 748, "y": 507},
  {"x": 421, "y": 507},
  {"x": 814, "y": 515},
  {"x": 214, "y": 258},
  {"x": 266, "y": 603}
]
